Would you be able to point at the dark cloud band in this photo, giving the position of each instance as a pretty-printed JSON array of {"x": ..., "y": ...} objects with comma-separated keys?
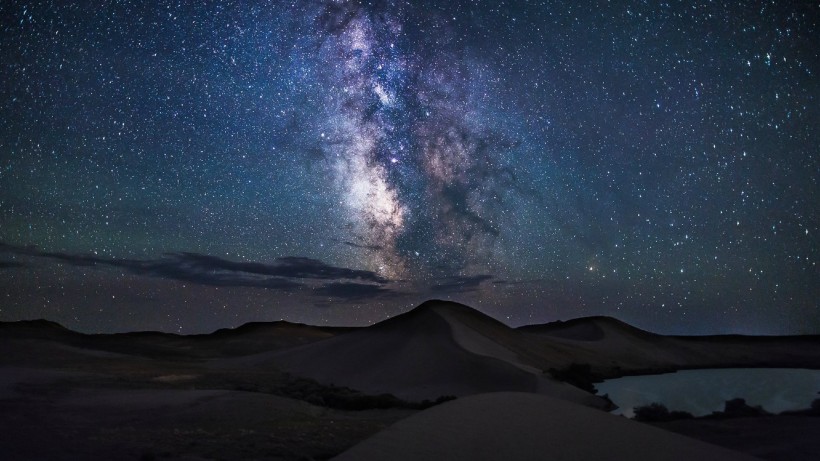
[{"x": 287, "y": 274}]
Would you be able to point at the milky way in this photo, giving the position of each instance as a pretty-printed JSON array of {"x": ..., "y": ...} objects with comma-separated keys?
[
  {"x": 187, "y": 166},
  {"x": 416, "y": 167}
]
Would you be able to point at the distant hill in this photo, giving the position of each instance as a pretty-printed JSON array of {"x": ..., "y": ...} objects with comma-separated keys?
[
  {"x": 439, "y": 348},
  {"x": 32, "y": 329},
  {"x": 586, "y": 329},
  {"x": 247, "y": 339}
]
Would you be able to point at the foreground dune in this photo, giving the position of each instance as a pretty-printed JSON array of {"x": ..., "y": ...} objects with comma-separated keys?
[{"x": 523, "y": 426}]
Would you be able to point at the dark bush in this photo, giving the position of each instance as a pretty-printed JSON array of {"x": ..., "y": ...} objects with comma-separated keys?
[
  {"x": 657, "y": 412},
  {"x": 738, "y": 408},
  {"x": 356, "y": 402},
  {"x": 427, "y": 404},
  {"x": 651, "y": 413},
  {"x": 344, "y": 398},
  {"x": 815, "y": 407},
  {"x": 677, "y": 414},
  {"x": 578, "y": 374}
]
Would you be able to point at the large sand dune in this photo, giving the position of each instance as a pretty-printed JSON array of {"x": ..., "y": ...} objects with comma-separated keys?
[{"x": 431, "y": 351}]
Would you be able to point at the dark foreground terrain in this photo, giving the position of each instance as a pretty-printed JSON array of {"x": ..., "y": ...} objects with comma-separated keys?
[{"x": 288, "y": 391}]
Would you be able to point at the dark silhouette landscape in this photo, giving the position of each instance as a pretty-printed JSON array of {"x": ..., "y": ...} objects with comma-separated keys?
[{"x": 443, "y": 381}]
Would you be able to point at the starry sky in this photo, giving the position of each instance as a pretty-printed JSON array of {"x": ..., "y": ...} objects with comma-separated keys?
[{"x": 188, "y": 166}]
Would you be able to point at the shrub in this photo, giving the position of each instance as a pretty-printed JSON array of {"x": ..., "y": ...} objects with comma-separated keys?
[
  {"x": 578, "y": 374},
  {"x": 427, "y": 404},
  {"x": 815, "y": 407},
  {"x": 657, "y": 412},
  {"x": 344, "y": 398},
  {"x": 737, "y": 408},
  {"x": 651, "y": 413}
]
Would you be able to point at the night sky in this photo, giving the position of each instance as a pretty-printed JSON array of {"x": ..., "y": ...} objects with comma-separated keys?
[{"x": 188, "y": 166}]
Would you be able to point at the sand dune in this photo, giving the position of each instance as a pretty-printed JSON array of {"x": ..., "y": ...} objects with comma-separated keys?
[
  {"x": 424, "y": 354},
  {"x": 519, "y": 426},
  {"x": 444, "y": 348},
  {"x": 247, "y": 339},
  {"x": 587, "y": 329},
  {"x": 614, "y": 348}
]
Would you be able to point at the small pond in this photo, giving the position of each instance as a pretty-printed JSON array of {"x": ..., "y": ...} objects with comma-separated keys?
[{"x": 701, "y": 392}]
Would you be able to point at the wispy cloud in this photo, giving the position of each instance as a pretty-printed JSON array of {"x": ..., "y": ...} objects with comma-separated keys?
[
  {"x": 10, "y": 264},
  {"x": 290, "y": 273}
]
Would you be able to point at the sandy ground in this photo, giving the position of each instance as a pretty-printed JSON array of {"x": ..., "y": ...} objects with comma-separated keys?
[
  {"x": 519, "y": 426},
  {"x": 776, "y": 438},
  {"x": 49, "y": 415}
]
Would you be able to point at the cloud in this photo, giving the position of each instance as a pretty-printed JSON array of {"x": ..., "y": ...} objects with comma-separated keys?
[
  {"x": 288, "y": 273},
  {"x": 362, "y": 246},
  {"x": 10, "y": 264},
  {"x": 461, "y": 283},
  {"x": 288, "y": 266},
  {"x": 517, "y": 282},
  {"x": 199, "y": 269}
]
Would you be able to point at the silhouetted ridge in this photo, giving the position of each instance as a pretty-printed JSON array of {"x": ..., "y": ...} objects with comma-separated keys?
[
  {"x": 37, "y": 323},
  {"x": 443, "y": 304},
  {"x": 39, "y": 328},
  {"x": 260, "y": 327},
  {"x": 439, "y": 308},
  {"x": 593, "y": 328}
]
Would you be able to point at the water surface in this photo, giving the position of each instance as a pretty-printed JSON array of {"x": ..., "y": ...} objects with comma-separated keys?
[{"x": 701, "y": 392}]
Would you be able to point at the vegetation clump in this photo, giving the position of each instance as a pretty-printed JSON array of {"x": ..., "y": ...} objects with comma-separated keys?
[
  {"x": 739, "y": 407},
  {"x": 579, "y": 375},
  {"x": 345, "y": 398},
  {"x": 735, "y": 408},
  {"x": 657, "y": 413}
]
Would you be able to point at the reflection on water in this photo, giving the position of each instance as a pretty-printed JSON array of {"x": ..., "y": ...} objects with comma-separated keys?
[{"x": 701, "y": 392}]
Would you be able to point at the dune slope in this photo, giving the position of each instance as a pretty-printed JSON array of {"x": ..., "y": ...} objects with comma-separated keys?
[
  {"x": 527, "y": 427},
  {"x": 423, "y": 354}
]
